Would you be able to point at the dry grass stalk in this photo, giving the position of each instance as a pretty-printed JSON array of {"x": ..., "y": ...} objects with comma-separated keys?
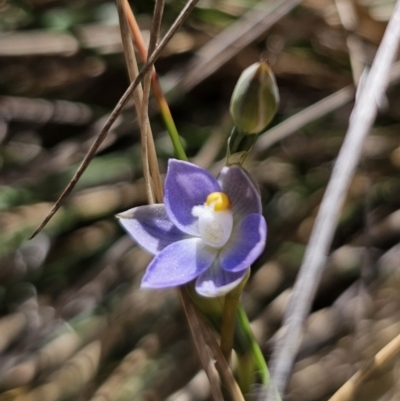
[
  {"x": 377, "y": 364},
  {"x": 138, "y": 98},
  {"x": 197, "y": 328},
  {"x": 361, "y": 120},
  {"x": 144, "y": 113}
]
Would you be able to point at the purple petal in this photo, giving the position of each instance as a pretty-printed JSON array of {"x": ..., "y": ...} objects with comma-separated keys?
[
  {"x": 179, "y": 263},
  {"x": 186, "y": 186},
  {"x": 215, "y": 281},
  {"x": 242, "y": 192},
  {"x": 150, "y": 227},
  {"x": 245, "y": 245}
]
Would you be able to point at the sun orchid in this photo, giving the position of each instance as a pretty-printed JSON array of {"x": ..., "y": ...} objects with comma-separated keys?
[{"x": 207, "y": 229}]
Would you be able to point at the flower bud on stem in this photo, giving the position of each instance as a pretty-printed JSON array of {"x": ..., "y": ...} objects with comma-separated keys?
[
  {"x": 255, "y": 99},
  {"x": 254, "y": 103}
]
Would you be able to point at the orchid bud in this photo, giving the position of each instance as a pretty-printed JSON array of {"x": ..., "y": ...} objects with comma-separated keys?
[{"x": 255, "y": 99}]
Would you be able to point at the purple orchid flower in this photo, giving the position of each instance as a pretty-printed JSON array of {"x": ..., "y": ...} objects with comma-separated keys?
[{"x": 207, "y": 229}]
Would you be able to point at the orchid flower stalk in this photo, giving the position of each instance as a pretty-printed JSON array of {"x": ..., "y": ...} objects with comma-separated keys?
[
  {"x": 206, "y": 235},
  {"x": 209, "y": 231}
]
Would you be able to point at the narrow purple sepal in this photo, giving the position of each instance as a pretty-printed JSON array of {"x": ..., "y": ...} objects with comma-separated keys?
[
  {"x": 150, "y": 227},
  {"x": 215, "y": 282},
  {"x": 245, "y": 244},
  {"x": 178, "y": 264},
  {"x": 186, "y": 186},
  {"x": 241, "y": 190}
]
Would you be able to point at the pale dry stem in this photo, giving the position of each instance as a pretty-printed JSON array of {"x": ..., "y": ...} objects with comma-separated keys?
[
  {"x": 377, "y": 364},
  {"x": 147, "y": 136},
  {"x": 138, "y": 98},
  {"x": 361, "y": 121}
]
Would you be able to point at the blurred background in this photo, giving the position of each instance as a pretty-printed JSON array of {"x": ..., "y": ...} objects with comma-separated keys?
[{"x": 73, "y": 322}]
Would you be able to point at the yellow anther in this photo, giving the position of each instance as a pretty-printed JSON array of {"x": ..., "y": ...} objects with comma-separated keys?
[{"x": 219, "y": 201}]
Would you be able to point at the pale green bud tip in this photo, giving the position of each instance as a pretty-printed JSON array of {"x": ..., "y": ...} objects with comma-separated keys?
[{"x": 255, "y": 99}]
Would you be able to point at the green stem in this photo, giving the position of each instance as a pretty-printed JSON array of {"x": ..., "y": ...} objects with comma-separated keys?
[
  {"x": 245, "y": 373},
  {"x": 255, "y": 350},
  {"x": 171, "y": 128},
  {"x": 256, "y": 354},
  {"x": 253, "y": 360},
  {"x": 239, "y": 145}
]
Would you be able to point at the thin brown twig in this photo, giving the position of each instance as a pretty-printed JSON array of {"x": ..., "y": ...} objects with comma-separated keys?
[
  {"x": 196, "y": 327},
  {"x": 115, "y": 113},
  {"x": 221, "y": 364}
]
